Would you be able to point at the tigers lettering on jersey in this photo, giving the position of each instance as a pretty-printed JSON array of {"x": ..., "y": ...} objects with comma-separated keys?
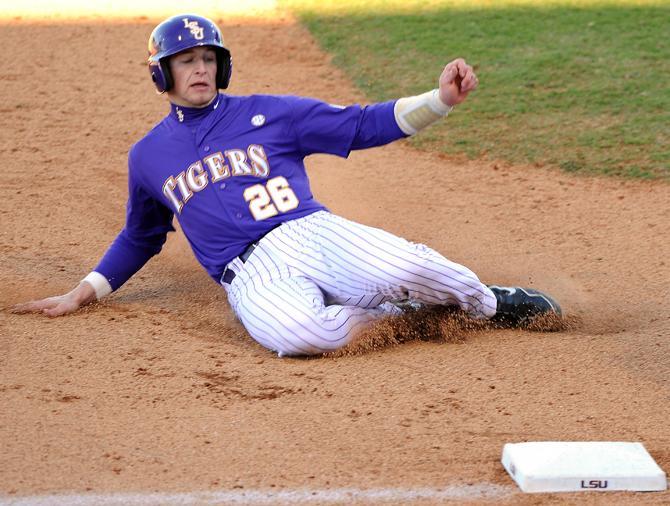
[{"x": 232, "y": 162}]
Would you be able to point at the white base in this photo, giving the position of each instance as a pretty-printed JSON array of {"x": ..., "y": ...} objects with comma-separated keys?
[{"x": 555, "y": 466}]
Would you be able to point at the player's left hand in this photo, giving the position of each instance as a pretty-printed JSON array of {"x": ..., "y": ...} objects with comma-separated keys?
[{"x": 457, "y": 80}]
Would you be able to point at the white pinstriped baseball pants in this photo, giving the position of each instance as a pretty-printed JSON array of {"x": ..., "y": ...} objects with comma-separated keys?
[{"x": 313, "y": 282}]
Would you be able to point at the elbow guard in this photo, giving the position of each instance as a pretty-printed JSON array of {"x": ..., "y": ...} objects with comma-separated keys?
[{"x": 416, "y": 113}]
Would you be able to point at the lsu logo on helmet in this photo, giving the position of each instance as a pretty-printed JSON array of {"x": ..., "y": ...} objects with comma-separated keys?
[{"x": 196, "y": 30}]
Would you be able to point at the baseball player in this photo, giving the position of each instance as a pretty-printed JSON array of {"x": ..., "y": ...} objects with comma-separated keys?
[{"x": 302, "y": 280}]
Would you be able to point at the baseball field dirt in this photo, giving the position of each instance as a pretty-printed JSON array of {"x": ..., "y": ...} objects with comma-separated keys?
[{"x": 159, "y": 390}]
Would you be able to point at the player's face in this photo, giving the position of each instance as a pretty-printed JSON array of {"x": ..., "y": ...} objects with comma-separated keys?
[{"x": 194, "y": 74}]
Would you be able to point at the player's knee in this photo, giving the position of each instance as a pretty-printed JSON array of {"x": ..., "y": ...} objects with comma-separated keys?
[{"x": 311, "y": 336}]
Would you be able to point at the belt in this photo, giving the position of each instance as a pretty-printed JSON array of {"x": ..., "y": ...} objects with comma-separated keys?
[{"x": 230, "y": 274}]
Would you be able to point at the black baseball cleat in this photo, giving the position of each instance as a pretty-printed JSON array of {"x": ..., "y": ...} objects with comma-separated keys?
[{"x": 519, "y": 306}]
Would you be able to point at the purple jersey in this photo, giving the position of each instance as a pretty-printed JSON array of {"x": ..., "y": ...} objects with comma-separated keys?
[{"x": 231, "y": 172}]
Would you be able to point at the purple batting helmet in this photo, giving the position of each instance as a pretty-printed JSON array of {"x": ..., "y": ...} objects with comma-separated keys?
[{"x": 182, "y": 32}]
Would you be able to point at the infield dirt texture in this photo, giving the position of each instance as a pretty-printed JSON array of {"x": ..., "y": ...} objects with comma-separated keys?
[{"x": 158, "y": 389}]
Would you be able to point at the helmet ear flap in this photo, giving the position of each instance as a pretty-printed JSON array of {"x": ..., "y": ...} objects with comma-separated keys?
[
  {"x": 157, "y": 76},
  {"x": 224, "y": 68},
  {"x": 167, "y": 74}
]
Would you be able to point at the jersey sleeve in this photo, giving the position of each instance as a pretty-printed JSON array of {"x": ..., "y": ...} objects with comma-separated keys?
[
  {"x": 334, "y": 129},
  {"x": 147, "y": 223}
]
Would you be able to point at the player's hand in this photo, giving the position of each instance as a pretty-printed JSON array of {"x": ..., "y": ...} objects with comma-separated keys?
[
  {"x": 60, "y": 304},
  {"x": 457, "y": 80}
]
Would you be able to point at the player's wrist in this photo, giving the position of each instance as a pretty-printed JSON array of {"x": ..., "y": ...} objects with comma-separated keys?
[
  {"x": 81, "y": 295},
  {"x": 439, "y": 104}
]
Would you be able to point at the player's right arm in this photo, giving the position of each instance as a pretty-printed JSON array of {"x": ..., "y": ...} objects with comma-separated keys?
[{"x": 147, "y": 223}]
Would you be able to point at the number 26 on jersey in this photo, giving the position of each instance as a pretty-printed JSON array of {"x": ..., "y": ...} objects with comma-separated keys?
[{"x": 269, "y": 199}]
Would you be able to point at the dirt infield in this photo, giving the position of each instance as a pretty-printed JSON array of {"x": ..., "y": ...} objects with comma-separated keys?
[{"x": 158, "y": 389}]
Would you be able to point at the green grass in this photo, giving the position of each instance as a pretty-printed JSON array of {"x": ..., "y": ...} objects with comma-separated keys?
[{"x": 584, "y": 86}]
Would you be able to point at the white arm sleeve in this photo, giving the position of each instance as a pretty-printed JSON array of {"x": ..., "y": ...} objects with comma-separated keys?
[
  {"x": 415, "y": 113},
  {"x": 99, "y": 283}
]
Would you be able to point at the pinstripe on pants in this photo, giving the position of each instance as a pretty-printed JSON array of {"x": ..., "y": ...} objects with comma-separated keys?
[{"x": 313, "y": 282}]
